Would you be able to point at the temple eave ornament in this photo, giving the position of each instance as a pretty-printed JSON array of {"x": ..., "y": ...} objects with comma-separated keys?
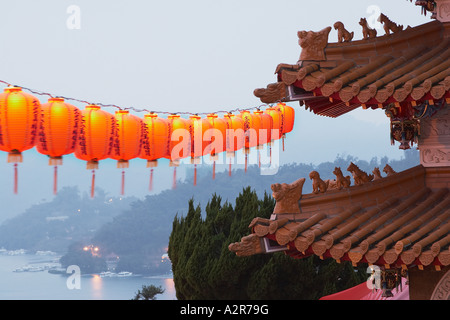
[
  {"x": 274, "y": 92},
  {"x": 287, "y": 197},
  {"x": 313, "y": 44}
]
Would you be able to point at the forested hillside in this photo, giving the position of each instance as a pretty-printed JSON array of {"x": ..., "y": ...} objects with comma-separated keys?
[{"x": 138, "y": 230}]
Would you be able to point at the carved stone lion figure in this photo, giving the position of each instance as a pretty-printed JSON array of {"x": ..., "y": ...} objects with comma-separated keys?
[
  {"x": 376, "y": 173},
  {"x": 368, "y": 33},
  {"x": 313, "y": 44},
  {"x": 388, "y": 25},
  {"x": 318, "y": 184},
  {"x": 341, "y": 181},
  {"x": 359, "y": 176},
  {"x": 287, "y": 196},
  {"x": 343, "y": 34},
  {"x": 388, "y": 170}
]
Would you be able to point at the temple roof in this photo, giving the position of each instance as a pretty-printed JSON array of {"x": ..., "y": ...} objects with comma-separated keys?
[
  {"x": 408, "y": 65},
  {"x": 399, "y": 220}
]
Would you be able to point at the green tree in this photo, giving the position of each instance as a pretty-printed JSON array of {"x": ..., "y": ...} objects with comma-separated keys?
[
  {"x": 204, "y": 268},
  {"x": 148, "y": 293}
]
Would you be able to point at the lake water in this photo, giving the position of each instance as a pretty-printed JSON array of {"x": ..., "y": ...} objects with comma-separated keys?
[{"x": 42, "y": 285}]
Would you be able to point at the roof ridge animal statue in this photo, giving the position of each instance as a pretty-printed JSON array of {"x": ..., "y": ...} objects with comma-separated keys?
[
  {"x": 359, "y": 176},
  {"x": 318, "y": 184},
  {"x": 368, "y": 32},
  {"x": 313, "y": 44},
  {"x": 388, "y": 170},
  {"x": 343, "y": 34},
  {"x": 389, "y": 25},
  {"x": 287, "y": 196},
  {"x": 341, "y": 181},
  {"x": 376, "y": 174}
]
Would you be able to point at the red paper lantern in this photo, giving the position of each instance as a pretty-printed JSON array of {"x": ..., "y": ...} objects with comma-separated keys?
[
  {"x": 197, "y": 129},
  {"x": 58, "y": 132},
  {"x": 178, "y": 142},
  {"x": 235, "y": 137},
  {"x": 128, "y": 140},
  {"x": 252, "y": 124},
  {"x": 96, "y": 138},
  {"x": 288, "y": 117},
  {"x": 19, "y": 121},
  {"x": 277, "y": 123},
  {"x": 265, "y": 131},
  {"x": 266, "y": 125},
  {"x": 154, "y": 144},
  {"x": 217, "y": 136}
]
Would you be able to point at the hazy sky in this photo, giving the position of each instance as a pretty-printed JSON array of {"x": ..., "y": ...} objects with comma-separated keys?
[{"x": 175, "y": 56}]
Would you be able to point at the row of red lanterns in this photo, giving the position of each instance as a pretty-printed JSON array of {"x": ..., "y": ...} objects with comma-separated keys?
[{"x": 58, "y": 128}]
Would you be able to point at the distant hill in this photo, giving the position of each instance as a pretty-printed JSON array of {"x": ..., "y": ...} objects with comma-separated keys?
[
  {"x": 143, "y": 230},
  {"x": 54, "y": 225},
  {"x": 138, "y": 230}
]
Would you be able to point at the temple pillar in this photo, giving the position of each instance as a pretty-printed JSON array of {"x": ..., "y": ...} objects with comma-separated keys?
[
  {"x": 442, "y": 10},
  {"x": 434, "y": 147}
]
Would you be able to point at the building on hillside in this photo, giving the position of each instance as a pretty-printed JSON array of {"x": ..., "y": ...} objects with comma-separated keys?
[{"x": 397, "y": 221}]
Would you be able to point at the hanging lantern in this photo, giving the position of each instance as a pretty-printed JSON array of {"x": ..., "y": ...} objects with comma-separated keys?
[
  {"x": 154, "y": 142},
  {"x": 235, "y": 136},
  {"x": 288, "y": 117},
  {"x": 127, "y": 142},
  {"x": 19, "y": 120},
  {"x": 197, "y": 130},
  {"x": 264, "y": 132},
  {"x": 266, "y": 125},
  {"x": 96, "y": 138},
  {"x": 252, "y": 125},
  {"x": 277, "y": 126},
  {"x": 58, "y": 132},
  {"x": 277, "y": 123},
  {"x": 178, "y": 139},
  {"x": 405, "y": 131},
  {"x": 219, "y": 134}
]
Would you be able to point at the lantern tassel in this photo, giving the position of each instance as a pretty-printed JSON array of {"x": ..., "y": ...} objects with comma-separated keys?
[
  {"x": 93, "y": 184},
  {"x": 16, "y": 178},
  {"x": 246, "y": 160},
  {"x": 150, "y": 186},
  {"x": 283, "y": 143},
  {"x": 195, "y": 174},
  {"x": 214, "y": 170},
  {"x": 174, "y": 183},
  {"x": 55, "y": 180},
  {"x": 229, "y": 169},
  {"x": 122, "y": 190},
  {"x": 270, "y": 154}
]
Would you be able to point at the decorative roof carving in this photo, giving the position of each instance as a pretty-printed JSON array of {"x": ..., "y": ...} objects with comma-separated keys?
[
  {"x": 368, "y": 33},
  {"x": 411, "y": 65},
  {"x": 313, "y": 44},
  {"x": 396, "y": 221},
  {"x": 287, "y": 196},
  {"x": 388, "y": 25},
  {"x": 343, "y": 34},
  {"x": 272, "y": 93}
]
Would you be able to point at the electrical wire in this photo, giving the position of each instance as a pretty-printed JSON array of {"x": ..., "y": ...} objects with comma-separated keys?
[{"x": 132, "y": 108}]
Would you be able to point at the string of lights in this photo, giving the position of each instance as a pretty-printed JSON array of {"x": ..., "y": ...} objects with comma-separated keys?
[
  {"x": 92, "y": 138},
  {"x": 41, "y": 93}
]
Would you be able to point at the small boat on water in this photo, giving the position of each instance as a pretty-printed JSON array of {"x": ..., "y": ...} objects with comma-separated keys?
[{"x": 112, "y": 274}]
